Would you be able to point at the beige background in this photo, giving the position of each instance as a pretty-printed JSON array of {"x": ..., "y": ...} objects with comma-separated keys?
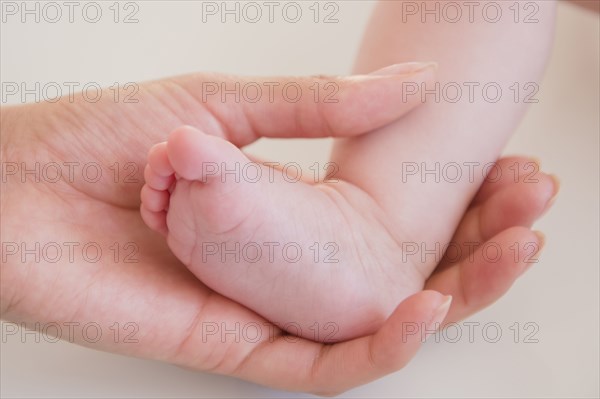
[{"x": 560, "y": 294}]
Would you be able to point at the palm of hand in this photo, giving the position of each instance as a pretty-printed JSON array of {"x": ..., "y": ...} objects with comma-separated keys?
[{"x": 111, "y": 268}]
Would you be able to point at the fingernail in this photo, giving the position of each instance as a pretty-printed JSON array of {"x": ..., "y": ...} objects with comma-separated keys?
[
  {"x": 556, "y": 182},
  {"x": 552, "y": 200},
  {"x": 532, "y": 259},
  {"x": 541, "y": 244},
  {"x": 537, "y": 161},
  {"x": 440, "y": 314},
  {"x": 541, "y": 240},
  {"x": 407, "y": 68}
]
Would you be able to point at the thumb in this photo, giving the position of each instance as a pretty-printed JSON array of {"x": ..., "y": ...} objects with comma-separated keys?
[{"x": 307, "y": 107}]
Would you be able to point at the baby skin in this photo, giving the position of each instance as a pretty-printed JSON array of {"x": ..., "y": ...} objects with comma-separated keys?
[
  {"x": 315, "y": 258},
  {"x": 327, "y": 260}
]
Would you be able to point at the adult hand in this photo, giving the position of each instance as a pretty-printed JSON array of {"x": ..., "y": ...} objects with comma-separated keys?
[{"x": 166, "y": 311}]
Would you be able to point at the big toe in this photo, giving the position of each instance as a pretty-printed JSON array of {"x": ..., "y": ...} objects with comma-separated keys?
[{"x": 198, "y": 156}]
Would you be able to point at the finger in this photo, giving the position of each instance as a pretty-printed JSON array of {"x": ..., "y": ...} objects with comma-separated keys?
[
  {"x": 504, "y": 204},
  {"x": 520, "y": 204},
  {"x": 247, "y": 108},
  {"x": 505, "y": 172},
  {"x": 331, "y": 369},
  {"x": 488, "y": 272}
]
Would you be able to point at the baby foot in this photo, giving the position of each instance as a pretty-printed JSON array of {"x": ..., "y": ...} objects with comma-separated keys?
[{"x": 315, "y": 259}]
